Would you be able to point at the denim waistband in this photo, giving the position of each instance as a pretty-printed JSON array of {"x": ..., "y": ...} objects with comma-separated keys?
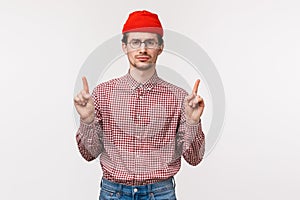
[{"x": 139, "y": 189}]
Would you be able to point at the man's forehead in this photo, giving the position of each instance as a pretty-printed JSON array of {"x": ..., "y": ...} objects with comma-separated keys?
[{"x": 141, "y": 35}]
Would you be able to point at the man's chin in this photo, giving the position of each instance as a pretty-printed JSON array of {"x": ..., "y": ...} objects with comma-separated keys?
[{"x": 144, "y": 66}]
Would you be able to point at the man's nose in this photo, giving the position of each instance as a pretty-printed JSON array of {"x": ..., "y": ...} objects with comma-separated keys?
[{"x": 142, "y": 47}]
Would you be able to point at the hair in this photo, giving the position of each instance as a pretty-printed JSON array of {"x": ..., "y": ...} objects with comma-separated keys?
[{"x": 159, "y": 38}]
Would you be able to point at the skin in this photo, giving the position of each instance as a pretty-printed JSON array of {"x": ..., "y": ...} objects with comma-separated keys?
[
  {"x": 143, "y": 60},
  {"x": 142, "y": 63}
]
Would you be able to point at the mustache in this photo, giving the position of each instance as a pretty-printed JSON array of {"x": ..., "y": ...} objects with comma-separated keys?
[{"x": 143, "y": 55}]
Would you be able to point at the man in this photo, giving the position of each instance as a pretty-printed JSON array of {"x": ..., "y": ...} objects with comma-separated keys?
[{"x": 139, "y": 124}]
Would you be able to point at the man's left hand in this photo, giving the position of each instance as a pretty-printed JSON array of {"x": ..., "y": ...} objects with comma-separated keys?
[{"x": 194, "y": 105}]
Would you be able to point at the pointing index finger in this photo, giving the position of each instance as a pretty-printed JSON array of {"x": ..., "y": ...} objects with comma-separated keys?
[
  {"x": 195, "y": 89},
  {"x": 85, "y": 85}
]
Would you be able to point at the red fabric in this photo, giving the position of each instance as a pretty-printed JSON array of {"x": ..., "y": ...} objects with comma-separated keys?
[
  {"x": 143, "y": 21},
  {"x": 140, "y": 131}
]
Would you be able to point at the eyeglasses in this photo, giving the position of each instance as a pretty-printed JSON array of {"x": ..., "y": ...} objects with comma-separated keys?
[{"x": 150, "y": 44}]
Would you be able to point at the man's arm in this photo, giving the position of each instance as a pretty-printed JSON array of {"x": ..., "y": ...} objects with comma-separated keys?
[
  {"x": 89, "y": 134},
  {"x": 191, "y": 142},
  {"x": 89, "y": 140},
  {"x": 190, "y": 138}
]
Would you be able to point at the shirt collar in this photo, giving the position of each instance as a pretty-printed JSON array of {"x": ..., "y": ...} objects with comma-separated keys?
[{"x": 133, "y": 84}]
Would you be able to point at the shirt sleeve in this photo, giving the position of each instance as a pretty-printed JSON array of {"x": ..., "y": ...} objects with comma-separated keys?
[
  {"x": 190, "y": 140},
  {"x": 89, "y": 136}
]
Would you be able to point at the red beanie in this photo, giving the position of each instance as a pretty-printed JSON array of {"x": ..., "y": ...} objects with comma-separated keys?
[{"x": 143, "y": 21}]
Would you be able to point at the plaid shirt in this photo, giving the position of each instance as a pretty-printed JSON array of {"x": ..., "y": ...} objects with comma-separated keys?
[{"x": 140, "y": 131}]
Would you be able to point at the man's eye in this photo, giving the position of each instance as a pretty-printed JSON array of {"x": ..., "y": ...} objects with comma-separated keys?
[
  {"x": 135, "y": 42},
  {"x": 150, "y": 42}
]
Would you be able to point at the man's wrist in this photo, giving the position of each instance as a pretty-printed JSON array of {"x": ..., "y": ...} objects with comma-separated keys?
[
  {"x": 192, "y": 122},
  {"x": 88, "y": 120}
]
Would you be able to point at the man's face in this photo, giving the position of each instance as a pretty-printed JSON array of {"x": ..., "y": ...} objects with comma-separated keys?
[{"x": 142, "y": 49}]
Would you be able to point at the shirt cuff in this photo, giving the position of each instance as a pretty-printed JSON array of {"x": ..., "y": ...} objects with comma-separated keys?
[
  {"x": 84, "y": 127},
  {"x": 192, "y": 130}
]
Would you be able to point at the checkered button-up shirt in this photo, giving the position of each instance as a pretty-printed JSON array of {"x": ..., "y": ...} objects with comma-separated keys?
[{"x": 140, "y": 131}]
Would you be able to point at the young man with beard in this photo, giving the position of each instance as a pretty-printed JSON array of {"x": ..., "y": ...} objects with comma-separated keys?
[{"x": 139, "y": 124}]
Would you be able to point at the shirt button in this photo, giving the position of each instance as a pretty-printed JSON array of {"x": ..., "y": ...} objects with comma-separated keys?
[{"x": 135, "y": 189}]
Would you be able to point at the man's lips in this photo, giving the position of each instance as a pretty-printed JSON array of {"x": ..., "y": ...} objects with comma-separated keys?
[{"x": 143, "y": 58}]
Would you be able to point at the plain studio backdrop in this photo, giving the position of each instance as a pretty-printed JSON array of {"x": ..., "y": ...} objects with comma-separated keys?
[{"x": 254, "y": 45}]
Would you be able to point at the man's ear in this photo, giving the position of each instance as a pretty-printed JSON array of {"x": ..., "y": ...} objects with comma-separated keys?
[
  {"x": 124, "y": 48},
  {"x": 161, "y": 48}
]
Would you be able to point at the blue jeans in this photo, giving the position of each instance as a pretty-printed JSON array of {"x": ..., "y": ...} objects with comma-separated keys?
[{"x": 164, "y": 190}]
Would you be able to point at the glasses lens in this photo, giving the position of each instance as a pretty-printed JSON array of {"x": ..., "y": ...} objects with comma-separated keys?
[
  {"x": 150, "y": 44},
  {"x": 135, "y": 44}
]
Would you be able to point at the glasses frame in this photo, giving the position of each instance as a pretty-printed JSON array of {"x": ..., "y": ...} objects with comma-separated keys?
[{"x": 144, "y": 42}]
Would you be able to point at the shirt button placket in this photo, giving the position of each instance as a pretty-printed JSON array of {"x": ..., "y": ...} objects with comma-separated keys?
[{"x": 140, "y": 96}]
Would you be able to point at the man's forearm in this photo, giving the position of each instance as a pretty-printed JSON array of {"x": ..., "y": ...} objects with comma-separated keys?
[{"x": 89, "y": 140}]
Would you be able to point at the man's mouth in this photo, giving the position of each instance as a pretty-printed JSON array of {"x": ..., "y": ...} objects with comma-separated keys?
[{"x": 143, "y": 58}]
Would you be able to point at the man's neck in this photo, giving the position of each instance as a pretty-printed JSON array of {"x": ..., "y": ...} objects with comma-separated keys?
[{"x": 141, "y": 76}]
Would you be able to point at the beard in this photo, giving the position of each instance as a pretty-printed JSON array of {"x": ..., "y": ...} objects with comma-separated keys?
[{"x": 142, "y": 65}]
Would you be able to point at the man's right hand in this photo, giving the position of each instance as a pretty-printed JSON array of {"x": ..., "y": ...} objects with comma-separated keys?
[{"x": 84, "y": 103}]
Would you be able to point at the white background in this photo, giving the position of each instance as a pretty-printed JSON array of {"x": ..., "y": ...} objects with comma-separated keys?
[{"x": 254, "y": 44}]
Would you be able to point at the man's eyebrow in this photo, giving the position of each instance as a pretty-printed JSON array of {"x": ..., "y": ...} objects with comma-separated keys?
[{"x": 144, "y": 39}]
